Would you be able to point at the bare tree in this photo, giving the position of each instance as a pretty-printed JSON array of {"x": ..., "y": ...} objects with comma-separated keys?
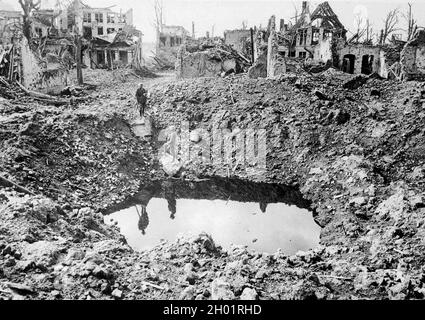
[
  {"x": 159, "y": 15},
  {"x": 390, "y": 24},
  {"x": 28, "y": 6},
  {"x": 296, "y": 12},
  {"x": 369, "y": 32},
  {"x": 360, "y": 26},
  {"x": 411, "y": 22}
]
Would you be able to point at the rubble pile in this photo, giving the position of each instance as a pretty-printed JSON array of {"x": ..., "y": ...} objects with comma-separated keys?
[
  {"x": 355, "y": 151},
  {"x": 163, "y": 63},
  {"x": 97, "y": 264},
  {"x": 72, "y": 152},
  {"x": 209, "y": 57},
  {"x": 353, "y": 146},
  {"x": 8, "y": 91},
  {"x": 145, "y": 72},
  {"x": 201, "y": 44}
]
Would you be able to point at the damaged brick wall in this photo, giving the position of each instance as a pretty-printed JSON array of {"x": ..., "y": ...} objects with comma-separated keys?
[
  {"x": 237, "y": 39},
  {"x": 39, "y": 75},
  {"x": 390, "y": 57},
  {"x": 275, "y": 62},
  {"x": 201, "y": 64},
  {"x": 271, "y": 47},
  {"x": 358, "y": 52},
  {"x": 259, "y": 69},
  {"x": 168, "y": 43},
  {"x": 323, "y": 51},
  {"x": 413, "y": 58},
  {"x": 209, "y": 57},
  {"x": 197, "y": 64}
]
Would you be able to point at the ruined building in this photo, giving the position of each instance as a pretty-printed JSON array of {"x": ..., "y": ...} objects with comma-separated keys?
[
  {"x": 209, "y": 57},
  {"x": 169, "y": 39},
  {"x": 118, "y": 49},
  {"x": 44, "y": 23},
  {"x": 239, "y": 39},
  {"x": 111, "y": 40},
  {"x": 311, "y": 37},
  {"x": 33, "y": 66},
  {"x": 93, "y": 22},
  {"x": 318, "y": 40},
  {"x": 44, "y": 62},
  {"x": 413, "y": 58},
  {"x": 312, "y": 34},
  {"x": 10, "y": 23}
]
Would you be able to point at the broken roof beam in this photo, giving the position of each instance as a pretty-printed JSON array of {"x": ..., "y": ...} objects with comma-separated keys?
[{"x": 325, "y": 12}]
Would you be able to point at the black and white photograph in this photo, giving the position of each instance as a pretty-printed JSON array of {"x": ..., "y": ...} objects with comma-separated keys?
[{"x": 207, "y": 150}]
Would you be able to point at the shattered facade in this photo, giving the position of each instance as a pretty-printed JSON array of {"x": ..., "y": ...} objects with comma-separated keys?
[
  {"x": 239, "y": 39},
  {"x": 359, "y": 59},
  {"x": 30, "y": 64},
  {"x": 208, "y": 57},
  {"x": 111, "y": 41},
  {"x": 95, "y": 21},
  {"x": 413, "y": 58},
  {"x": 169, "y": 39},
  {"x": 318, "y": 41},
  {"x": 311, "y": 38},
  {"x": 41, "y": 73},
  {"x": 398, "y": 60},
  {"x": 10, "y": 24},
  {"x": 44, "y": 23},
  {"x": 108, "y": 41},
  {"x": 311, "y": 35},
  {"x": 275, "y": 62},
  {"x": 121, "y": 48}
]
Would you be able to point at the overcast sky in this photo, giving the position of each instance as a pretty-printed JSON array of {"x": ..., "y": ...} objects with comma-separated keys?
[{"x": 229, "y": 14}]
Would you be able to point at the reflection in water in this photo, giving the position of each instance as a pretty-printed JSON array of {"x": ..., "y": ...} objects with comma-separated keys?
[
  {"x": 263, "y": 207},
  {"x": 143, "y": 197},
  {"x": 207, "y": 207},
  {"x": 143, "y": 219},
  {"x": 170, "y": 196}
]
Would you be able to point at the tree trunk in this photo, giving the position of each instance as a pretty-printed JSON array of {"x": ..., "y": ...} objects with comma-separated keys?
[
  {"x": 27, "y": 29},
  {"x": 79, "y": 63}
]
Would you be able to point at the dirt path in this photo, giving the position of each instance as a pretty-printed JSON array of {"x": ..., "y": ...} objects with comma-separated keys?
[{"x": 116, "y": 93}]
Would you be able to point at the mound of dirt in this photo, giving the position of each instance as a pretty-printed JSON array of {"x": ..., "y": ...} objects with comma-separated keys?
[{"x": 356, "y": 156}]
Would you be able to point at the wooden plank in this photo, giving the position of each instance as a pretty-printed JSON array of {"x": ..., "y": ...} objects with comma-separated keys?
[{"x": 7, "y": 183}]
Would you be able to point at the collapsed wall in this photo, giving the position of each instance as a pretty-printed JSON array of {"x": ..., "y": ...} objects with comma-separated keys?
[
  {"x": 259, "y": 68},
  {"x": 39, "y": 74},
  {"x": 359, "y": 58},
  {"x": 413, "y": 58},
  {"x": 208, "y": 60},
  {"x": 168, "y": 43},
  {"x": 199, "y": 64},
  {"x": 269, "y": 62},
  {"x": 279, "y": 52},
  {"x": 238, "y": 40},
  {"x": 275, "y": 63},
  {"x": 389, "y": 57}
]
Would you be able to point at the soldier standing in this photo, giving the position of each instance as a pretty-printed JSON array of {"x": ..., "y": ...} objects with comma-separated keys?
[{"x": 142, "y": 98}]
